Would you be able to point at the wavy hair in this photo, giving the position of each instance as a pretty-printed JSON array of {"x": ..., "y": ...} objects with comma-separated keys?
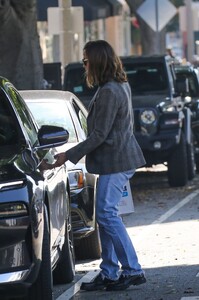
[{"x": 104, "y": 64}]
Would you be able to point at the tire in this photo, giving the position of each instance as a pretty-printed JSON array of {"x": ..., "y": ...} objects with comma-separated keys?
[
  {"x": 191, "y": 161},
  {"x": 89, "y": 247},
  {"x": 195, "y": 130},
  {"x": 65, "y": 269},
  {"x": 178, "y": 165},
  {"x": 43, "y": 286},
  {"x": 197, "y": 162}
]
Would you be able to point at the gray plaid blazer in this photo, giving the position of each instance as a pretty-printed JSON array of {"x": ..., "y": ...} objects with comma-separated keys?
[{"x": 110, "y": 146}]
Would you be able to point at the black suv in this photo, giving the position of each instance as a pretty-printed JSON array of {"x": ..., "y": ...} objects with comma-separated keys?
[
  {"x": 75, "y": 82},
  {"x": 191, "y": 99},
  {"x": 162, "y": 120},
  {"x": 35, "y": 219}
]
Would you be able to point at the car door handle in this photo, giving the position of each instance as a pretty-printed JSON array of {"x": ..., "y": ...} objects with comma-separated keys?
[{"x": 50, "y": 175}]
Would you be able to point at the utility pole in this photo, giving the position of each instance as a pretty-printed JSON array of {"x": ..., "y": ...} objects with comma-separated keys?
[
  {"x": 66, "y": 36},
  {"x": 157, "y": 28},
  {"x": 71, "y": 32},
  {"x": 190, "y": 39}
]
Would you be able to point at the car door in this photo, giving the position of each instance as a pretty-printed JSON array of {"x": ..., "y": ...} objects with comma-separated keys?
[{"x": 54, "y": 180}]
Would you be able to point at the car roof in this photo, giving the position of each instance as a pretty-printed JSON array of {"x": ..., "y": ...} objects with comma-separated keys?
[
  {"x": 46, "y": 94},
  {"x": 51, "y": 96},
  {"x": 145, "y": 58},
  {"x": 74, "y": 65}
]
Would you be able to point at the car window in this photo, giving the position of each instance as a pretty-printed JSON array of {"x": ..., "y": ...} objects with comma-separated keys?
[
  {"x": 53, "y": 113},
  {"x": 193, "y": 86},
  {"x": 192, "y": 81},
  {"x": 81, "y": 116},
  {"x": 26, "y": 118},
  {"x": 75, "y": 82},
  {"x": 9, "y": 126},
  {"x": 146, "y": 77}
]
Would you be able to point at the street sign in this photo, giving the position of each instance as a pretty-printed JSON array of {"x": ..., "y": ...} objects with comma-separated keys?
[{"x": 157, "y": 13}]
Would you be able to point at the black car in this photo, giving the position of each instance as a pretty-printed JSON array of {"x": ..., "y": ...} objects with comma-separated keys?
[
  {"x": 162, "y": 121},
  {"x": 35, "y": 226},
  {"x": 191, "y": 99},
  {"x": 65, "y": 109},
  {"x": 75, "y": 82}
]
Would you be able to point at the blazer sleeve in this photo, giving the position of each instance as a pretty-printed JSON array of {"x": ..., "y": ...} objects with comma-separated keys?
[{"x": 103, "y": 112}]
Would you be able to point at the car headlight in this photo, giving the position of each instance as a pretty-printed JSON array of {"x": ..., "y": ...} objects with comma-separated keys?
[
  {"x": 10, "y": 210},
  {"x": 76, "y": 179},
  {"x": 148, "y": 117}
]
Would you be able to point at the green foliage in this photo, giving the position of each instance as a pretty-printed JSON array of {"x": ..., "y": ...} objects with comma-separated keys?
[{"x": 178, "y": 3}]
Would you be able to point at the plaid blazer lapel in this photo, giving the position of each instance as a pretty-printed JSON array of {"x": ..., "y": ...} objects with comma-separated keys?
[{"x": 93, "y": 100}]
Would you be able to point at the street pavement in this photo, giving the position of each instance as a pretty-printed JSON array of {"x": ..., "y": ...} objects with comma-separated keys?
[{"x": 165, "y": 232}]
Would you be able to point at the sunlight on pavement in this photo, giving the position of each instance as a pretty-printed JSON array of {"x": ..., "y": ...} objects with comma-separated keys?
[{"x": 164, "y": 248}]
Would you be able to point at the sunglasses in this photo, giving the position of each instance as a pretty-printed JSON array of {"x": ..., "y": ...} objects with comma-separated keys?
[{"x": 85, "y": 60}]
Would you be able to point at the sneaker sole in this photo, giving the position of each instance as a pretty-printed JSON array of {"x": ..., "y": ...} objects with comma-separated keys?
[
  {"x": 121, "y": 287},
  {"x": 139, "y": 281},
  {"x": 93, "y": 289}
]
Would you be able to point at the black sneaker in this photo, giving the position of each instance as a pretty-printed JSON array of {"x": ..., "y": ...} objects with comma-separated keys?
[
  {"x": 125, "y": 281},
  {"x": 97, "y": 284}
]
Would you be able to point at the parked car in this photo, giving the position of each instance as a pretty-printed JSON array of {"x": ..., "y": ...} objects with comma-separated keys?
[
  {"x": 75, "y": 82},
  {"x": 162, "y": 121},
  {"x": 191, "y": 99},
  {"x": 35, "y": 222},
  {"x": 65, "y": 109}
]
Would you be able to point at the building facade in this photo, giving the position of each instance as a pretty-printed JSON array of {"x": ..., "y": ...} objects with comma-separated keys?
[{"x": 65, "y": 25}]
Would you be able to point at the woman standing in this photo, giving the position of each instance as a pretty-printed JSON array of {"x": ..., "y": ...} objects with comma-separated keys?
[{"x": 112, "y": 152}]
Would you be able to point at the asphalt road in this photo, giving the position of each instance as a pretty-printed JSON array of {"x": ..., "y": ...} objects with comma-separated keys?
[{"x": 165, "y": 231}]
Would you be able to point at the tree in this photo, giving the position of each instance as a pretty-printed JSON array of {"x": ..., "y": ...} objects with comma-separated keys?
[
  {"x": 20, "y": 52},
  {"x": 151, "y": 42}
]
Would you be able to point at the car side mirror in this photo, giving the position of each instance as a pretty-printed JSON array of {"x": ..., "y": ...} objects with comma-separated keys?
[{"x": 52, "y": 136}]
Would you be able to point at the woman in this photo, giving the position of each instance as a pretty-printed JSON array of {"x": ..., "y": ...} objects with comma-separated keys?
[{"x": 112, "y": 152}]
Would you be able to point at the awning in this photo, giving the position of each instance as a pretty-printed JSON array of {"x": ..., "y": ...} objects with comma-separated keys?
[
  {"x": 93, "y": 9},
  {"x": 116, "y": 7},
  {"x": 42, "y": 8},
  {"x": 98, "y": 9}
]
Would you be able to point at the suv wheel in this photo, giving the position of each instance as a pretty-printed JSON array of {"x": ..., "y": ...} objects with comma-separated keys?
[
  {"x": 178, "y": 165},
  {"x": 89, "y": 247},
  {"x": 191, "y": 160},
  {"x": 197, "y": 162},
  {"x": 43, "y": 286}
]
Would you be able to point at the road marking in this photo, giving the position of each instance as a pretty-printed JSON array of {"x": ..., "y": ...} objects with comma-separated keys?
[
  {"x": 68, "y": 294},
  {"x": 171, "y": 211},
  {"x": 76, "y": 287}
]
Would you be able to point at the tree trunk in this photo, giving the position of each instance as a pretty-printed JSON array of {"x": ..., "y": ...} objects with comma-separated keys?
[{"x": 20, "y": 52}]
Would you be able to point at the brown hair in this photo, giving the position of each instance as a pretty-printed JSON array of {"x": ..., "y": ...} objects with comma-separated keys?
[{"x": 104, "y": 64}]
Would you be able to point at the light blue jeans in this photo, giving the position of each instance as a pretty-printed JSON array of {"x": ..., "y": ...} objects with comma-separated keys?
[{"x": 115, "y": 241}]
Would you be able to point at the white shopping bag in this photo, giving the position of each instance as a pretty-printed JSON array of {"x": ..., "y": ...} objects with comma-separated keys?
[{"x": 126, "y": 205}]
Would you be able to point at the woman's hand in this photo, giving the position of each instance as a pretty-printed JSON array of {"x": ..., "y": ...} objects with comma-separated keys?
[{"x": 61, "y": 159}]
